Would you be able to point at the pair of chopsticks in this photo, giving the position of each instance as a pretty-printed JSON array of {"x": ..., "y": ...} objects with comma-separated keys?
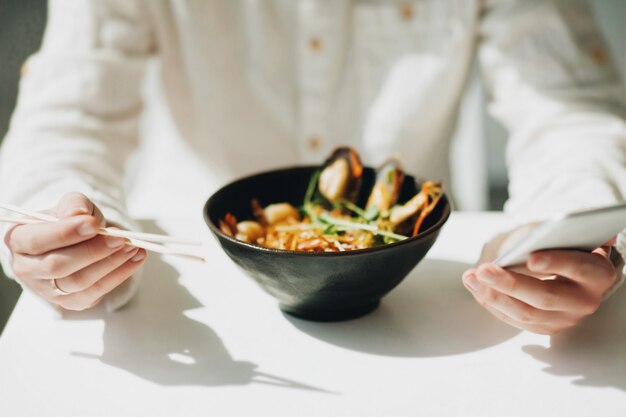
[{"x": 148, "y": 241}]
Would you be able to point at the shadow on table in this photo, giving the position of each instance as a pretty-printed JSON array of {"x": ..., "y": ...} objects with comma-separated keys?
[
  {"x": 429, "y": 314},
  {"x": 153, "y": 338},
  {"x": 594, "y": 353}
]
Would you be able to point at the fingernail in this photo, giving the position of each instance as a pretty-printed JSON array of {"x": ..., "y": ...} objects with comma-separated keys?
[
  {"x": 471, "y": 282},
  {"x": 539, "y": 262},
  {"x": 139, "y": 256},
  {"x": 129, "y": 248},
  {"x": 114, "y": 242},
  {"x": 87, "y": 229},
  {"x": 487, "y": 277}
]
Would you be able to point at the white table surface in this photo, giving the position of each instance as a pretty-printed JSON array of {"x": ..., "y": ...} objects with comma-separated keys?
[{"x": 204, "y": 340}]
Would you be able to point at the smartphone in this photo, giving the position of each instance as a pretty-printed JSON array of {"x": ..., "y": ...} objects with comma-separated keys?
[{"x": 582, "y": 230}]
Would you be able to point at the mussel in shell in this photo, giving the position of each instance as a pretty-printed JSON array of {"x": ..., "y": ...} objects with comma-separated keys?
[
  {"x": 386, "y": 190},
  {"x": 408, "y": 217},
  {"x": 340, "y": 178}
]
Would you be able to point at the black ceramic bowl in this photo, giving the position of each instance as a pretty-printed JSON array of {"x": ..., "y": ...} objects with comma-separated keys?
[{"x": 329, "y": 286}]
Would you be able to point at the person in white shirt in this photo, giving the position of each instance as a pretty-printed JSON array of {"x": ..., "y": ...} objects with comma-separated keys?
[{"x": 252, "y": 85}]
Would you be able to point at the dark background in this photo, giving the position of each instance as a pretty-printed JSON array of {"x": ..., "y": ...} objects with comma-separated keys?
[{"x": 21, "y": 28}]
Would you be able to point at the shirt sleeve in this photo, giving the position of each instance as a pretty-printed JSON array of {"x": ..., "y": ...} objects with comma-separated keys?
[
  {"x": 76, "y": 119},
  {"x": 553, "y": 86}
]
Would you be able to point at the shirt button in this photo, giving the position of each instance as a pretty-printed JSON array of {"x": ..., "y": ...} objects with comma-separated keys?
[
  {"x": 315, "y": 44},
  {"x": 599, "y": 55},
  {"x": 314, "y": 143},
  {"x": 406, "y": 12}
]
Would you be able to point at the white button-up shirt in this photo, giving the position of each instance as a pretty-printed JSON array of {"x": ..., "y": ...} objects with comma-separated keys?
[{"x": 253, "y": 85}]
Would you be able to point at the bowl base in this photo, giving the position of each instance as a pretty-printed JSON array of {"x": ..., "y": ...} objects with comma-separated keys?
[{"x": 326, "y": 315}]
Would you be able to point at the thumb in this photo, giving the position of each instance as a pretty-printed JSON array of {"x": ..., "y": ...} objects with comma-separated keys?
[{"x": 75, "y": 204}]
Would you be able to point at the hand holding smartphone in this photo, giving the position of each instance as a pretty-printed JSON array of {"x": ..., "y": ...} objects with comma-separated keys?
[{"x": 582, "y": 230}]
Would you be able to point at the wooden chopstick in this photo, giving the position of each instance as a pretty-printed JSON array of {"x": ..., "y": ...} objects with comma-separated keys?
[
  {"x": 26, "y": 212},
  {"x": 164, "y": 249},
  {"x": 5, "y": 219},
  {"x": 138, "y": 239},
  {"x": 148, "y": 237}
]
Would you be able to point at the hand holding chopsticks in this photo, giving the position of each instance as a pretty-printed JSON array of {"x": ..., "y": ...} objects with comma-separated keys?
[
  {"x": 70, "y": 259},
  {"x": 148, "y": 241}
]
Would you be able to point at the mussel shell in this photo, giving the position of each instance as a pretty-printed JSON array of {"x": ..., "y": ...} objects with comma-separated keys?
[
  {"x": 406, "y": 215},
  {"x": 416, "y": 209},
  {"x": 386, "y": 189},
  {"x": 341, "y": 175}
]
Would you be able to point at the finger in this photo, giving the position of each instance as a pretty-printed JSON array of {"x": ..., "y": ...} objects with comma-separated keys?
[
  {"x": 473, "y": 285},
  {"x": 521, "y": 313},
  {"x": 506, "y": 319},
  {"x": 65, "y": 261},
  {"x": 89, "y": 297},
  {"x": 47, "y": 288},
  {"x": 75, "y": 204},
  {"x": 551, "y": 295},
  {"x": 545, "y": 328},
  {"x": 86, "y": 277},
  {"x": 37, "y": 239},
  {"x": 44, "y": 289},
  {"x": 591, "y": 270}
]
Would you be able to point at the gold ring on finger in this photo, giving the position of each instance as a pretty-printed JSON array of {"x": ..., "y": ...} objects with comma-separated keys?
[{"x": 55, "y": 287}]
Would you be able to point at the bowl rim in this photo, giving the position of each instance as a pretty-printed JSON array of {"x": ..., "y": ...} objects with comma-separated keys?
[{"x": 218, "y": 232}]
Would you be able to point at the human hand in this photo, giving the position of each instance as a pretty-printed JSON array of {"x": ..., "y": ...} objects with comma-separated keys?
[
  {"x": 553, "y": 291},
  {"x": 66, "y": 262}
]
